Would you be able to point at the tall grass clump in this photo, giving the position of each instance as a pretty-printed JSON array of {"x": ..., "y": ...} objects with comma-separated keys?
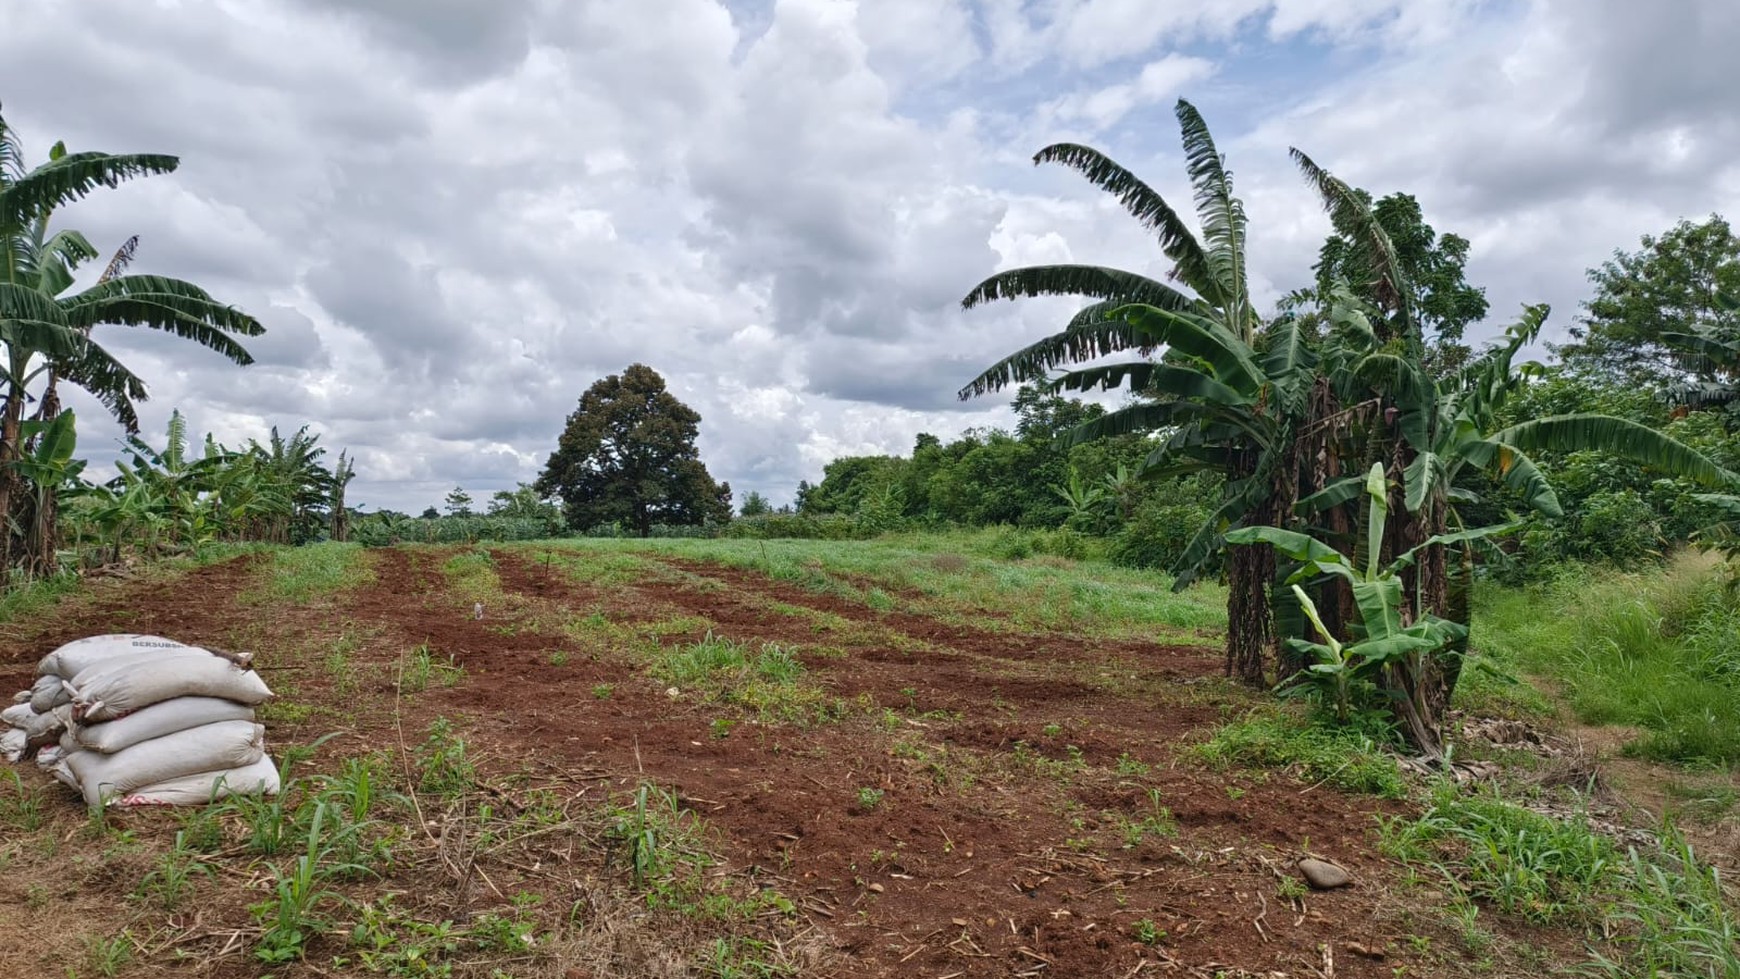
[
  {"x": 1658, "y": 910},
  {"x": 1654, "y": 649},
  {"x": 1312, "y": 749}
]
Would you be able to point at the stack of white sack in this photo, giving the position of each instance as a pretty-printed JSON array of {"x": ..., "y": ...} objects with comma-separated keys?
[{"x": 143, "y": 720}]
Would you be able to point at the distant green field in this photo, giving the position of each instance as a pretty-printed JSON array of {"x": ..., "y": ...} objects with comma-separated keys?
[{"x": 950, "y": 577}]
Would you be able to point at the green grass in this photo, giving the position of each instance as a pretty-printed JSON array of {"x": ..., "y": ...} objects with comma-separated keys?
[
  {"x": 299, "y": 575},
  {"x": 1664, "y": 912},
  {"x": 32, "y": 597},
  {"x": 953, "y": 575},
  {"x": 767, "y": 681},
  {"x": 1654, "y": 649},
  {"x": 1312, "y": 751},
  {"x": 471, "y": 576}
]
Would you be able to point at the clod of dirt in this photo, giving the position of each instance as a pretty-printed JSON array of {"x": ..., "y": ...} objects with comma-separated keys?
[{"x": 1324, "y": 876}]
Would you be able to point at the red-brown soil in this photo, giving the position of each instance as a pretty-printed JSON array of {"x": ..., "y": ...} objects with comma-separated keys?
[{"x": 1008, "y": 764}]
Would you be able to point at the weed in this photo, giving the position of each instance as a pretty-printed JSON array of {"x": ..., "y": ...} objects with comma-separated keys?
[
  {"x": 417, "y": 672},
  {"x": 284, "y": 711},
  {"x": 559, "y": 657},
  {"x": 342, "y": 671},
  {"x": 765, "y": 680},
  {"x": 655, "y": 830},
  {"x": 1673, "y": 917},
  {"x": 442, "y": 764},
  {"x": 1290, "y": 889},
  {"x": 399, "y": 945},
  {"x": 107, "y": 956},
  {"x": 1157, "y": 821},
  {"x": 20, "y": 808},
  {"x": 1341, "y": 756},
  {"x": 1653, "y": 649},
  {"x": 869, "y": 798},
  {"x": 292, "y": 915},
  {"x": 603, "y": 691},
  {"x": 1132, "y": 767},
  {"x": 201, "y": 827},
  {"x": 1147, "y": 932},
  {"x": 302, "y": 575},
  {"x": 1523, "y": 862},
  {"x": 171, "y": 880}
]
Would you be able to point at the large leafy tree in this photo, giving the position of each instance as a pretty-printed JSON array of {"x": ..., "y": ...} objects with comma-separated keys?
[
  {"x": 47, "y": 329},
  {"x": 1433, "y": 266},
  {"x": 628, "y": 455},
  {"x": 1673, "y": 284}
]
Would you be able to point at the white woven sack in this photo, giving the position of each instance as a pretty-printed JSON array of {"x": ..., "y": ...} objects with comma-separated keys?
[
  {"x": 208, "y": 748},
  {"x": 48, "y": 693},
  {"x": 260, "y": 778},
  {"x": 73, "y": 658},
  {"x": 158, "y": 720},
  {"x": 12, "y": 744},
  {"x": 119, "y": 691},
  {"x": 46, "y": 728},
  {"x": 18, "y": 715},
  {"x": 49, "y": 757},
  {"x": 64, "y": 773},
  {"x": 132, "y": 659}
]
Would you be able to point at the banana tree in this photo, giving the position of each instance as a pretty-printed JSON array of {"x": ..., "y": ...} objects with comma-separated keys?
[
  {"x": 342, "y": 474},
  {"x": 1081, "y": 499},
  {"x": 1392, "y": 650},
  {"x": 46, "y": 330},
  {"x": 1214, "y": 391},
  {"x": 45, "y": 467}
]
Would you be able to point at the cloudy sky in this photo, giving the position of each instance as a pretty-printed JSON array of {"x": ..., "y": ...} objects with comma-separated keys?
[{"x": 455, "y": 215}]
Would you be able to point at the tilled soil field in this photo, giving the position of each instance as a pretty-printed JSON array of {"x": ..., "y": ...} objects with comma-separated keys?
[{"x": 907, "y": 795}]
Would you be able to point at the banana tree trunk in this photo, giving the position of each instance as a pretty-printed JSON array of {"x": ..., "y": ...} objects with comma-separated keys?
[
  {"x": 11, "y": 423},
  {"x": 1250, "y": 572},
  {"x": 1421, "y": 700}
]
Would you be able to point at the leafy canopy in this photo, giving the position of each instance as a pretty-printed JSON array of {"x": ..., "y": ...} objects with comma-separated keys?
[{"x": 628, "y": 456}]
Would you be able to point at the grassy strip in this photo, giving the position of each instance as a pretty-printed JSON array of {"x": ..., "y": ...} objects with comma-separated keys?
[
  {"x": 767, "y": 682},
  {"x": 299, "y": 575},
  {"x": 952, "y": 576},
  {"x": 1653, "y": 649},
  {"x": 471, "y": 576}
]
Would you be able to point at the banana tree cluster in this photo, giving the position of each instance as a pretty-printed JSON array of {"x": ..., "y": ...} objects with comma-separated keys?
[
  {"x": 168, "y": 499},
  {"x": 49, "y": 328},
  {"x": 1296, "y": 412}
]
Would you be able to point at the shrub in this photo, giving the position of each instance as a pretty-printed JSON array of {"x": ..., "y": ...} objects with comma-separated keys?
[
  {"x": 793, "y": 526},
  {"x": 1158, "y": 531}
]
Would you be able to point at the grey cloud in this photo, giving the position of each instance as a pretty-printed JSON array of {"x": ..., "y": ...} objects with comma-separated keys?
[{"x": 453, "y": 41}]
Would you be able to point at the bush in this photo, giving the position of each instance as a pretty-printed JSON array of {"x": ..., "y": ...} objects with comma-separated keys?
[
  {"x": 1158, "y": 531},
  {"x": 789, "y": 526}
]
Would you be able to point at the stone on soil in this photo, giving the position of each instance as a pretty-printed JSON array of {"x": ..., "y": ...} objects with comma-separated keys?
[{"x": 1324, "y": 876}]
